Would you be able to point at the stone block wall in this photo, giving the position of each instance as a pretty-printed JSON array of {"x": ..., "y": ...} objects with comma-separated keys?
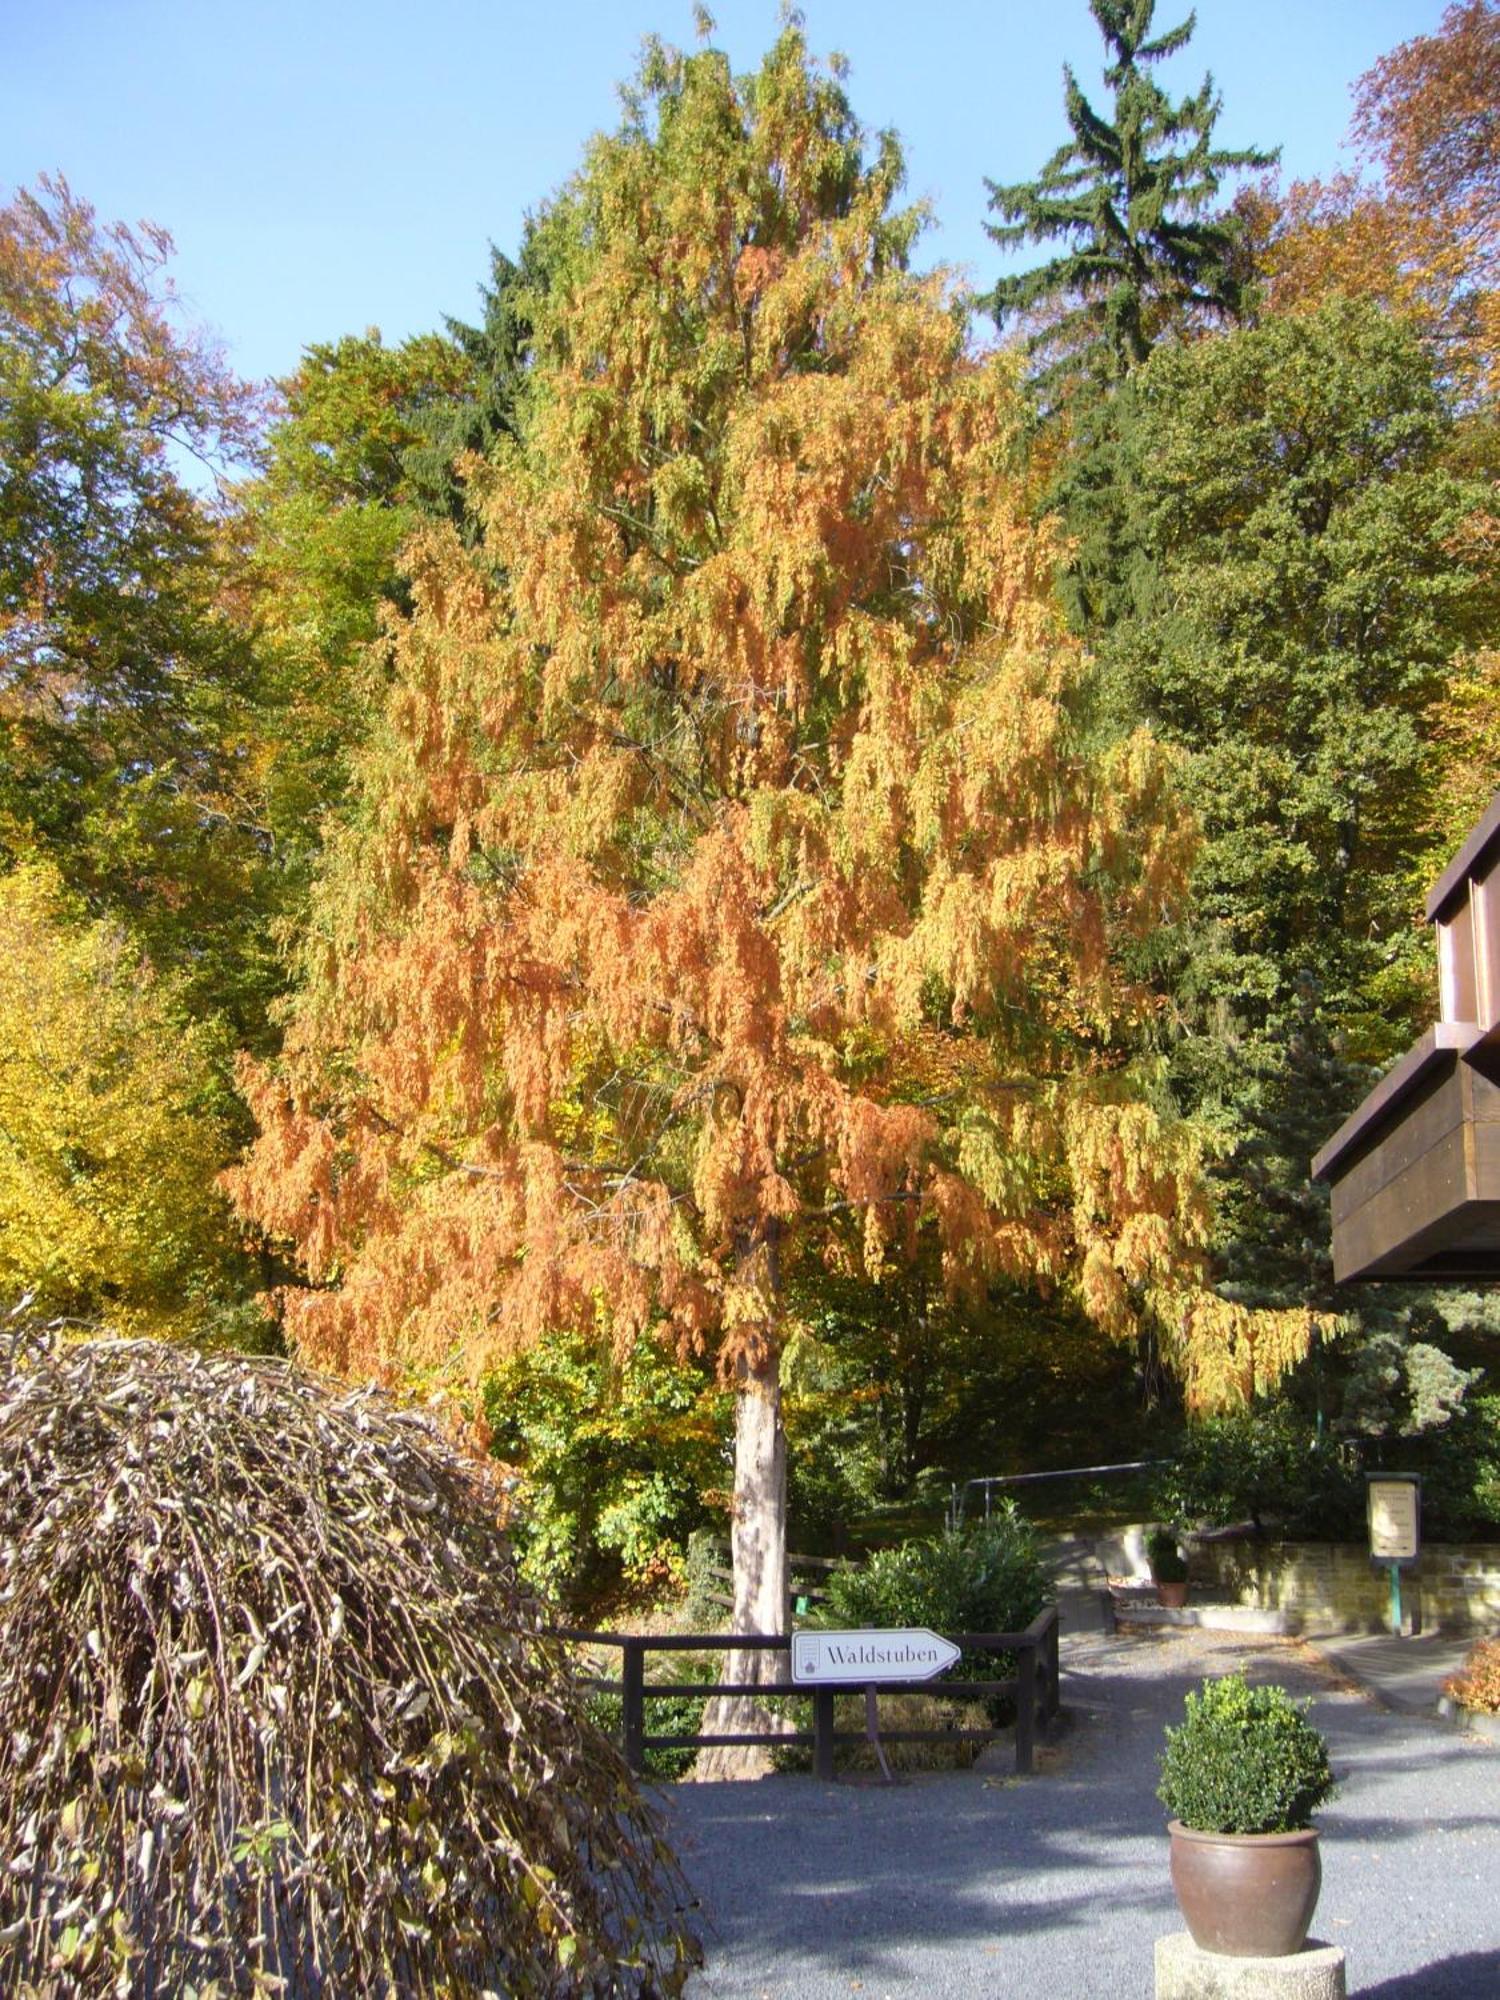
[{"x": 1334, "y": 1587}]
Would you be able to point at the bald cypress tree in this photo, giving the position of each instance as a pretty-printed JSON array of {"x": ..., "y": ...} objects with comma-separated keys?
[{"x": 1131, "y": 198}]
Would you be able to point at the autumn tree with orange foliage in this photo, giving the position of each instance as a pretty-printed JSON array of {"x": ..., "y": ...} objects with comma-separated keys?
[
  {"x": 1425, "y": 240},
  {"x": 734, "y": 886}
]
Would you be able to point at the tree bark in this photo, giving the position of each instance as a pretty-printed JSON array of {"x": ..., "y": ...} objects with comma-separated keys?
[
  {"x": 758, "y": 1552},
  {"x": 758, "y": 1525}
]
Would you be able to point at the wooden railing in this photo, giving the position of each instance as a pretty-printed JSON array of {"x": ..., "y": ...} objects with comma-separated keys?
[
  {"x": 1034, "y": 1685},
  {"x": 807, "y": 1577}
]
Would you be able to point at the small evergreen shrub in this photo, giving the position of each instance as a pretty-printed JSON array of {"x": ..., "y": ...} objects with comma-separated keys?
[
  {"x": 1244, "y": 1760},
  {"x": 1168, "y": 1564},
  {"x": 1476, "y": 1685},
  {"x": 985, "y": 1578}
]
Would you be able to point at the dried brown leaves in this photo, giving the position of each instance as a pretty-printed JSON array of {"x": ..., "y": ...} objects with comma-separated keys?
[{"x": 274, "y": 1713}]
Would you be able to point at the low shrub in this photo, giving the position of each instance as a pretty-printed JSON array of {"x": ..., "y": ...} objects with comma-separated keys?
[
  {"x": 666, "y": 1715},
  {"x": 988, "y": 1577},
  {"x": 1244, "y": 1760},
  {"x": 275, "y": 1714},
  {"x": 1165, "y": 1556},
  {"x": 1476, "y": 1685}
]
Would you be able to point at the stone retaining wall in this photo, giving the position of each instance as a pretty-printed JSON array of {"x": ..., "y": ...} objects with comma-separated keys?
[{"x": 1334, "y": 1587}]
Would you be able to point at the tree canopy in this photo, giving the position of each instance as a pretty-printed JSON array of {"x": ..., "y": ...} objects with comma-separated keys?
[
  {"x": 1131, "y": 195},
  {"x": 734, "y": 882}
]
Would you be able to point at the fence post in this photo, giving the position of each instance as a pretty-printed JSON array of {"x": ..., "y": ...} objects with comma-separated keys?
[
  {"x": 1054, "y": 1670},
  {"x": 1025, "y": 1707},
  {"x": 823, "y": 1733},
  {"x": 633, "y": 1703}
]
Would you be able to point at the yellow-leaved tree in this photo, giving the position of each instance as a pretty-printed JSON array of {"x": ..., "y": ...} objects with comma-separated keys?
[
  {"x": 734, "y": 881},
  {"x": 109, "y": 1141}
]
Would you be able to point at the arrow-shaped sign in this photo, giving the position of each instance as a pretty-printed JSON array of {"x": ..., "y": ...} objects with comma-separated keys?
[{"x": 830, "y": 1659}]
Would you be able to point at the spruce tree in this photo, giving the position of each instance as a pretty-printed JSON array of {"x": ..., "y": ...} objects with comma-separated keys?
[{"x": 1130, "y": 197}]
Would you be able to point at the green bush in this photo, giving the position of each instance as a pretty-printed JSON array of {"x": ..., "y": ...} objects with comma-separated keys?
[
  {"x": 666, "y": 1715},
  {"x": 988, "y": 1577},
  {"x": 1244, "y": 1760},
  {"x": 1268, "y": 1466},
  {"x": 1165, "y": 1557},
  {"x": 614, "y": 1457}
]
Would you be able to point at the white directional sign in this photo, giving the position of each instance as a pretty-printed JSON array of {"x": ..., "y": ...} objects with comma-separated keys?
[{"x": 827, "y": 1659}]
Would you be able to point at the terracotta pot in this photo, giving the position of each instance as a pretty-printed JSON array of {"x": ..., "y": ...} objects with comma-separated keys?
[
  {"x": 1172, "y": 1595},
  {"x": 1248, "y": 1895}
]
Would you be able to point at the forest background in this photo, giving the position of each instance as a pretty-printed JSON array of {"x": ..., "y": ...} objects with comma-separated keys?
[{"x": 771, "y": 836}]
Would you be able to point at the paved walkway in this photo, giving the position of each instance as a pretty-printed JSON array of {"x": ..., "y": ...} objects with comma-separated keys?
[{"x": 970, "y": 1887}]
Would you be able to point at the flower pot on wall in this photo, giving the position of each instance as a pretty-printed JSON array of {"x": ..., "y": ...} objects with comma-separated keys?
[
  {"x": 1172, "y": 1592},
  {"x": 1247, "y": 1895}
]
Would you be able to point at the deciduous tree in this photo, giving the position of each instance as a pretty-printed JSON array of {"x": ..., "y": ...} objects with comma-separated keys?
[{"x": 735, "y": 882}]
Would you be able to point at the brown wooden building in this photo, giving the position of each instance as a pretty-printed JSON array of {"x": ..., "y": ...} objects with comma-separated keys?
[{"x": 1415, "y": 1172}]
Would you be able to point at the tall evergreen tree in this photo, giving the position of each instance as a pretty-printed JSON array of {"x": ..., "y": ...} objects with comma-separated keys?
[{"x": 1131, "y": 197}]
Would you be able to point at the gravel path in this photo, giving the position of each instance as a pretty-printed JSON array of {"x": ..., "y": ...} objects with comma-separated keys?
[{"x": 960, "y": 1886}]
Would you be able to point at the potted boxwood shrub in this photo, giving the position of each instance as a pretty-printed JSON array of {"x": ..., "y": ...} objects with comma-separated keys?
[
  {"x": 1168, "y": 1568},
  {"x": 1241, "y": 1777}
]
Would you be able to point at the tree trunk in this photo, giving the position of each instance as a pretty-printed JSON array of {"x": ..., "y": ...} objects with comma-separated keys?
[
  {"x": 758, "y": 1526},
  {"x": 758, "y": 1547}
]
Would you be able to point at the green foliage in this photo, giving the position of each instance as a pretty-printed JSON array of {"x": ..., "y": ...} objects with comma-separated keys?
[
  {"x": 616, "y": 1456},
  {"x": 1165, "y": 1556},
  {"x": 987, "y": 1577},
  {"x": 666, "y": 1715},
  {"x": 317, "y": 538},
  {"x": 1131, "y": 196},
  {"x": 497, "y": 353},
  {"x": 1269, "y": 1466},
  {"x": 1276, "y": 1468},
  {"x": 123, "y": 690},
  {"x": 1244, "y": 1760}
]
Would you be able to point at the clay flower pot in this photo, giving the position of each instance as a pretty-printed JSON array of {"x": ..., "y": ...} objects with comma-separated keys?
[
  {"x": 1172, "y": 1593},
  {"x": 1247, "y": 1895}
]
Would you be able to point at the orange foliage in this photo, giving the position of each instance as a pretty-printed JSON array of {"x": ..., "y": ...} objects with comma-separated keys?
[
  {"x": 734, "y": 880},
  {"x": 1425, "y": 242}
]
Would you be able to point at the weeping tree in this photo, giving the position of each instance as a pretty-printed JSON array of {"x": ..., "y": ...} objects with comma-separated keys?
[
  {"x": 276, "y": 1715},
  {"x": 735, "y": 889}
]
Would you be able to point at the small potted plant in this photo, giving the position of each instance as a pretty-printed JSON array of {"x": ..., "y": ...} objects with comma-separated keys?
[
  {"x": 1168, "y": 1569},
  {"x": 1241, "y": 1777},
  {"x": 1474, "y": 1691}
]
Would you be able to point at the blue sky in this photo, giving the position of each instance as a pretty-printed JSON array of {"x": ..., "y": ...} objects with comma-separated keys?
[{"x": 326, "y": 166}]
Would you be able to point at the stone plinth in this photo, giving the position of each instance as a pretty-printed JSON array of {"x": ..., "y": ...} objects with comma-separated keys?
[{"x": 1183, "y": 1972}]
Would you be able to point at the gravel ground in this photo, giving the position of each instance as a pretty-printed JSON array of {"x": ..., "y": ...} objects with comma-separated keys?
[{"x": 960, "y": 1886}]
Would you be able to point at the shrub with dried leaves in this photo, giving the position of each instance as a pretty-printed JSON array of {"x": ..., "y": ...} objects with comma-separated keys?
[
  {"x": 1476, "y": 1685},
  {"x": 275, "y": 1716}
]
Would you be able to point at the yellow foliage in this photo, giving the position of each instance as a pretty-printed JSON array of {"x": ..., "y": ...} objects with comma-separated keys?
[
  {"x": 736, "y": 880},
  {"x": 108, "y": 1207}
]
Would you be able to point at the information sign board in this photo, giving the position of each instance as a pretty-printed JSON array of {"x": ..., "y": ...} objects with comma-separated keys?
[{"x": 1394, "y": 1501}]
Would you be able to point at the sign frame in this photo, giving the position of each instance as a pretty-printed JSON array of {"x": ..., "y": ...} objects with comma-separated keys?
[
  {"x": 1390, "y": 1547},
  {"x": 931, "y": 1655}
]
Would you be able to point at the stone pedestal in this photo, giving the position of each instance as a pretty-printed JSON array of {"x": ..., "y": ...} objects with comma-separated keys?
[{"x": 1183, "y": 1972}]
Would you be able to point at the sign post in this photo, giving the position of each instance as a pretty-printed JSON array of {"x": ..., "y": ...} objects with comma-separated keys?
[
  {"x": 851, "y": 1659},
  {"x": 1393, "y": 1502}
]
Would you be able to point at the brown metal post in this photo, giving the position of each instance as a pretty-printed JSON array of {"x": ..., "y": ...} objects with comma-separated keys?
[
  {"x": 633, "y": 1703},
  {"x": 1026, "y": 1707},
  {"x": 823, "y": 1733},
  {"x": 1054, "y": 1671}
]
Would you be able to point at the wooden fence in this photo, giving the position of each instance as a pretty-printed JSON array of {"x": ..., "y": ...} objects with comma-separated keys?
[
  {"x": 807, "y": 1577},
  {"x": 1034, "y": 1685}
]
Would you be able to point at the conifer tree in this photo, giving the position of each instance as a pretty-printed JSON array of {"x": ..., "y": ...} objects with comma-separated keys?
[
  {"x": 734, "y": 887},
  {"x": 1131, "y": 197}
]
